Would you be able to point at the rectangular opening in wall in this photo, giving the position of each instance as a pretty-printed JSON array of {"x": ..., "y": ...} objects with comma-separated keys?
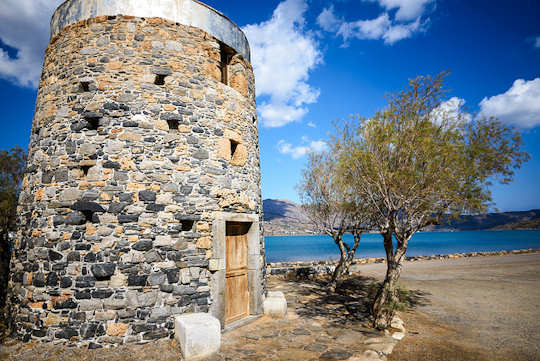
[
  {"x": 187, "y": 225},
  {"x": 227, "y": 54},
  {"x": 234, "y": 146},
  {"x": 84, "y": 86},
  {"x": 160, "y": 79},
  {"x": 173, "y": 124},
  {"x": 92, "y": 122}
]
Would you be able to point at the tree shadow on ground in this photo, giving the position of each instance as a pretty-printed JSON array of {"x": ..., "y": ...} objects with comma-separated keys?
[{"x": 350, "y": 303}]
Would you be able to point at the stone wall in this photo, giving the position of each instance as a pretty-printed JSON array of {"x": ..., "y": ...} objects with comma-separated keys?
[{"x": 135, "y": 144}]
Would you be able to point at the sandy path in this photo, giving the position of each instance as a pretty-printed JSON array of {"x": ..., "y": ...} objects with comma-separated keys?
[{"x": 481, "y": 308}]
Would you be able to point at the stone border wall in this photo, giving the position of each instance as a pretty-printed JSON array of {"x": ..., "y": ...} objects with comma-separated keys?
[{"x": 305, "y": 269}]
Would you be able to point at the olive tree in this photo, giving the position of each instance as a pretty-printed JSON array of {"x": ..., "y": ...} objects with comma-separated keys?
[
  {"x": 419, "y": 160},
  {"x": 332, "y": 208}
]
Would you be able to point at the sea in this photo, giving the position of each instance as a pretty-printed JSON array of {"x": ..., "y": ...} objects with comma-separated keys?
[{"x": 315, "y": 248}]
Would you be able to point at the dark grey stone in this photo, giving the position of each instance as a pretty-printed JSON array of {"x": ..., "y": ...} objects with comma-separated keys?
[
  {"x": 147, "y": 196},
  {"x": 156, "y": 279},
  {"x": 52, "y": 279},
  {"x": 74, "y": 256},
  {"x": 101, "y": 293},
  {"x": 201, "y": 154},
  {"x": 66, "y": 333},
  {"x": 137, "y": 280},
  {"x": 84, "y": 206},
  {"x": 65, "y": 304},
  {"x": 111, "y": 165},
  {"x": 75, "y": 219},
  {"x": 128, "y": 218},
  {"x": 103, "y": 271},
  {"x": 54, "y": 256},
  {"x": 145, "y": 245}
]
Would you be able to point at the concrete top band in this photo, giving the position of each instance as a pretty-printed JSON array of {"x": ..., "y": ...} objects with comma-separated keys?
[{"x": 186, "y": 12}]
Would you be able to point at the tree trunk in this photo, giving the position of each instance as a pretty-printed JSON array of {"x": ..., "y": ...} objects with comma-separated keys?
[
  {"x": 345, "y": 260},
  {"x": 338, "y": 271},
  {"x": 383, "y": 308}
]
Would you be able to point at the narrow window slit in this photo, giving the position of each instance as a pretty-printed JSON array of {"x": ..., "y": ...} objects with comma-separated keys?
[
  {"x": 173, "y": 124},
  {"x": 160, "y": 79},
  {"x": 234, "y": 146},
  {"x": 187, "y": 225},
  {"x": 85, "y": 169},
  {"x": 90, "y": 218},
  {"x": 227, "y": 54}
]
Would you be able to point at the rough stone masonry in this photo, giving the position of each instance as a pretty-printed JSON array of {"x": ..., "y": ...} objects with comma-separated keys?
[{"x": 145, "y": 129}]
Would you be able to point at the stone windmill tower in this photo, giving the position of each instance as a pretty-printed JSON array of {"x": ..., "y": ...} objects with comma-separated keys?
[{"x": 142, "y": 194}]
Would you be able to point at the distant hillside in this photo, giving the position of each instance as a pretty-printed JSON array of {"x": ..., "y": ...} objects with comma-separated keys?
[
  {"x": 506, "y": 220},
  {"x": 283, "y": 217}
]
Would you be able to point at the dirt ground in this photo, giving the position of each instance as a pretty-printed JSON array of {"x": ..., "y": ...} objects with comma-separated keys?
[{"x": 481, "y": 308}]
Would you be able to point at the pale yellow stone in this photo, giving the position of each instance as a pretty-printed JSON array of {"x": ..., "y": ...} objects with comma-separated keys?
[
  {"x": 169, "y": 107},
  {"x": 224, "y": 148},
  {"x": 39, "y": 194},
  {"x": 118, "y": 280},
  {"x": 203, "y": 227},
  {"x": 127, "y": 164},
  {"x": 204, "y": 243},
  {"x": 184, "y": 129},
  {"x": 115, "y": 65},
  {"x": 240, "y": 156},
  {"x": 229, "y": 134},
  {"x": 117, "y": 329},
  {"x": 52, "y": 319},
  {"x": 90, "y": 229},
  {"x": 161, "y": 124},
  {"x": 196, "y": 94},
  {"x": 130, "y": 136}
]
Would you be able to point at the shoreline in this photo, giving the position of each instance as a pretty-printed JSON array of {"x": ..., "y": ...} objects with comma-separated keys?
[
  {"x": 327, "y": 266},
  {"x": 445, "y": 230}
]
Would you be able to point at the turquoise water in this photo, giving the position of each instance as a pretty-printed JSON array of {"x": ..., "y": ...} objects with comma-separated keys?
[{"x": 307, "y": 248}]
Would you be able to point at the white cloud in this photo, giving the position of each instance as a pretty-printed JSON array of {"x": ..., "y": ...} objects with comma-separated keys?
[
  {"x": 283, "y": 55},
  {"x": 312, "y": 125},
  {"x": 383, "y": 27},
  {"x": 301, "y": 150},
  {"x": 520, "y": 105},
  {"x": 24, "y": 26},
  {"x": 537, "y": 42},
  {"x": 407, "y": 9},
  {"x": 365, "y": 29},
  {"x": 328, "y": 20},
  {"x": 452, "y": 109}
]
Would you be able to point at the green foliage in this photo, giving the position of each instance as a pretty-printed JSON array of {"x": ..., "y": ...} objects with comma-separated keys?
[
  {"x": 12, "y": 165},
  {"x": 417, "y": 161}
]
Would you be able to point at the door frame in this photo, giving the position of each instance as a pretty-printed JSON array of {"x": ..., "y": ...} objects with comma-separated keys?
[{"x": 218, "y": 264}]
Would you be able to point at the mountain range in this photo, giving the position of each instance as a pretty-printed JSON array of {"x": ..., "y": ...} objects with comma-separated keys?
[{"x": 283, "y": 217}]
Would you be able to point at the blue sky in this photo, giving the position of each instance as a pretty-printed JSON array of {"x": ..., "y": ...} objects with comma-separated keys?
[{"x": 318, "y": 61}]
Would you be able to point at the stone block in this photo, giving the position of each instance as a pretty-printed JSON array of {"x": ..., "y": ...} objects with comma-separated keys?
[
  {"x": 198, "y": 334},
  {"x": 275, "y": 305}
]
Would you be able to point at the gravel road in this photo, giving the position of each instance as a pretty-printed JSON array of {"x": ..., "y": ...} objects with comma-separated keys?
[{"x": 480, "y": 308}]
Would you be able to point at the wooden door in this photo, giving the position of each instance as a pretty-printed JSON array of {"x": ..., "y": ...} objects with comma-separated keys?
[{"x": 236, "y": 278}]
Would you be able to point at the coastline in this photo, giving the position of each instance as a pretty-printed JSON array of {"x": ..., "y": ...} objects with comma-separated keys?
[{"x": 306, "y": 268}]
